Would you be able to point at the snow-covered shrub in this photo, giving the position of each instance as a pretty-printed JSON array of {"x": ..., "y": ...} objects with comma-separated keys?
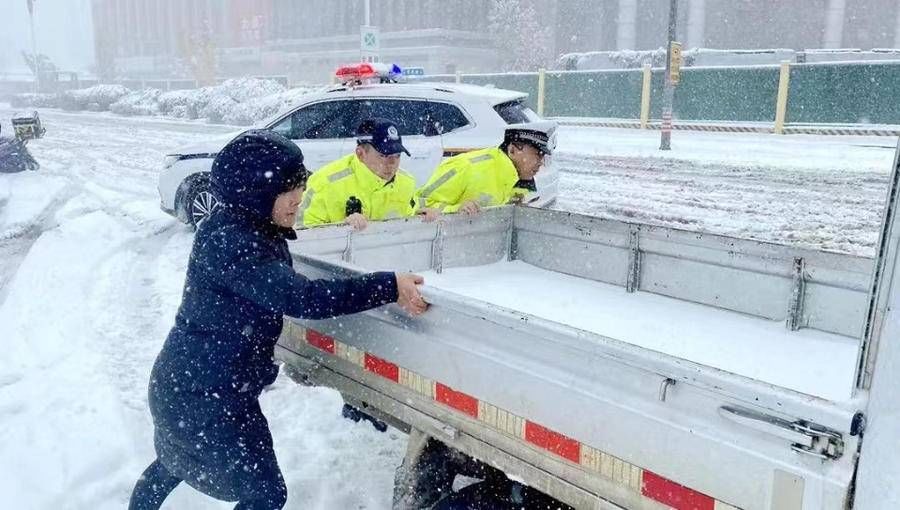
[
  {"x": 140, "y": 102},
  {"x": 241, "y": 101},
  {"x": 262, "y": 108},
  {"x": 245, "y": 89},
  {"x": 217, "y": 107},
  {"x": 96, "y": 98},
  {"x": 179, "y": 103},
  {"x": 30, "y": 100}
]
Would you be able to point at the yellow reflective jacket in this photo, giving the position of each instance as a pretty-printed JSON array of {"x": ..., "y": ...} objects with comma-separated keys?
[
  {"x": 486, "y": 176},
  {"x": 330, "y": 187}
]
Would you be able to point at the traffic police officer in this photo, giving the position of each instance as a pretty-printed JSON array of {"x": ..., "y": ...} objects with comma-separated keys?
[
  {"x": 494, "y": 176},
  {"x": 366, "y": 185}
]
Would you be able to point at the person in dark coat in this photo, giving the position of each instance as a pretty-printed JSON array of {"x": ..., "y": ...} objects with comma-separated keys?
[{"x": 205, "y": 385}]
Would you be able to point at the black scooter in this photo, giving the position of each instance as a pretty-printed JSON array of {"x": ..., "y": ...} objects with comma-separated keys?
[{"x": 14, "y": 156}]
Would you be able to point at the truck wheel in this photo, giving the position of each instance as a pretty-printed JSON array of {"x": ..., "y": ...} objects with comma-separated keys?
[
  {"x": 498, "y": 494},
  {"x": 200, "y": 203},
  {"x": 426, "y": 474},
  {"x": 485, "y": 495}
]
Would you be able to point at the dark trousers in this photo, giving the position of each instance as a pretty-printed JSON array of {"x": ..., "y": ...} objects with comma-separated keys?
[{"x": 156, "y": 483}]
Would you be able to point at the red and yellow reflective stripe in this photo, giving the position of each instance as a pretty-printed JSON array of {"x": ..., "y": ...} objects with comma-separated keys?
[
  {"x": 382, "y": 367},
  {"x": 634, "y": 478},
  {"x": 456, "y": 399}
]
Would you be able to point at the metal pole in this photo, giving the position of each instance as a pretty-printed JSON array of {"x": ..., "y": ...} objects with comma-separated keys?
[
  {"x": 34, "y": 53},
  {"x": 542, "y": 90},
  {"x": 368, "y": 13},
  {"x": 665, "y": 136},
  {"x": 784, "y": 80}
]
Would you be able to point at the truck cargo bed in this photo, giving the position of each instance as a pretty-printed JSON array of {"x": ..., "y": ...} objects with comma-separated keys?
[
  {"x": 809, "y": 361},
  {"x": 578, "y": 343}
]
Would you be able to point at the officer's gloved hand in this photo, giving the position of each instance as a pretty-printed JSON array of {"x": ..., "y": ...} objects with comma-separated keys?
[{"x": 357, "y": 221}]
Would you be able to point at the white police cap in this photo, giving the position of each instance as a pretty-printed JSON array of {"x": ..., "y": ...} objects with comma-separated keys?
[{"x": 540, "y": 134}]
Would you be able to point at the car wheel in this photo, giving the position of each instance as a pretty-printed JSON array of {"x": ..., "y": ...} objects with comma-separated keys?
[{"x": 201, "y": 204}]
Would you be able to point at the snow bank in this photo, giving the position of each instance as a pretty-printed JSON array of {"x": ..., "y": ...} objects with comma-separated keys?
[
  {"x": 624, "y": 59},
  {"x": 26, "y": 199},
  {"x": 848, "y": 54},
  {"x": 240, "y": 101},
  {"x": 631, "y": 59},
  {"x": 55, "y": 416},
  {"x": 83, "y": 318}
]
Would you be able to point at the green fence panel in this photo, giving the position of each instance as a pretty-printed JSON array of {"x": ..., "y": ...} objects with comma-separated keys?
[
  {"x": 522, "y": 82},
  {"x": 724, "y": 94},
  {"x": 819, "y": 93},
  {"x": 615, "y": 94},
  {"x": 844, "y": 93}
]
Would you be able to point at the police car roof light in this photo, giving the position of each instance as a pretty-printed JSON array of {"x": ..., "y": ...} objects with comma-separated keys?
[
  {"x": 355, "y": 72},
  {"x": 367, "y": 70}
]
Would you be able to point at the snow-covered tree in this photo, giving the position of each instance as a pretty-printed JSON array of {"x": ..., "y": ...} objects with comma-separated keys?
[{"x": 524, "y": 40}]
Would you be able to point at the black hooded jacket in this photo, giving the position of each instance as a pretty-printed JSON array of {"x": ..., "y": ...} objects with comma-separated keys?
[{"x": 240, "y": 283}]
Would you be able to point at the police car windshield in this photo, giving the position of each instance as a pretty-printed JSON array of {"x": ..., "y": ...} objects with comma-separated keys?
[{"x": 516, "y": 112}]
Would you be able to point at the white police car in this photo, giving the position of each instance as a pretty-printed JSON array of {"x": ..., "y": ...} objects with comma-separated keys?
[{"x": 435, "y": 119}]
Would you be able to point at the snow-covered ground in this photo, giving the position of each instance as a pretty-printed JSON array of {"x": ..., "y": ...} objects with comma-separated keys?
[
  {"x": 820, "y": 192},
  {"x": 91, "y": 274},
  {"x": 90, "y": 279}
]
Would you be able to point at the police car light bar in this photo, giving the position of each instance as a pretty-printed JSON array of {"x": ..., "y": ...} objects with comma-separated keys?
[{"x": 368, "y": 70}]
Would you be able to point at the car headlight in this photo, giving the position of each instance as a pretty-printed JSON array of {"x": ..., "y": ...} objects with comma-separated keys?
[{"x": 170, "y": 160}]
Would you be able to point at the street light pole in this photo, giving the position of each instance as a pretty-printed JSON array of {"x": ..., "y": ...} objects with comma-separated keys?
[
  {"x": 36, "y": 61},
  {"x": 368, "y": 13},
  {"x": 665, "y": 136}
]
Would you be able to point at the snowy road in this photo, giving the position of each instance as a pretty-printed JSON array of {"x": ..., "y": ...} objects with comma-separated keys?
[
  {"x": 812, "y": 191},
  {"x": 91, "y": 274}
]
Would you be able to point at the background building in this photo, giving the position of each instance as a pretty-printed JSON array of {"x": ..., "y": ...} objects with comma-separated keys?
[
  {"x": 306, "y": 39},
  {"x": 589, "y": 25},
  {"x": 63, "y": 33}
]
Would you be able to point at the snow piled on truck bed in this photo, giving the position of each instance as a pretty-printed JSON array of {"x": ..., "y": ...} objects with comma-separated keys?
[
  {"x": 808, "y": 361},
  {"x": 86, "y": 299}
]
